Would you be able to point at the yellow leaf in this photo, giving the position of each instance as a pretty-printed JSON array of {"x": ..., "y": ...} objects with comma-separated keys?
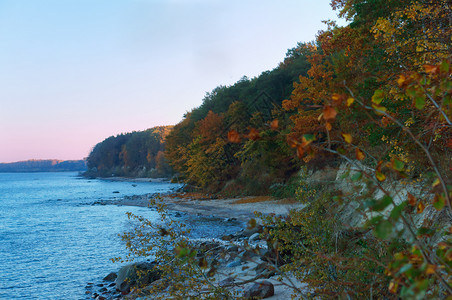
[
  {"x": 420, "y": 208},
  {"x": 401, "y": 80},
  {"x": 347, "y": 137},
  {"x": 380, "y": 176},
  {"x": 430, "y": 269},
  {"x": 436, "y": 182},
  {"x": 359, "y": 154},
  {"x": 350, "y": 101},
  {"x": 379, "y": 110},
  {"x": 393, "y": 287}
]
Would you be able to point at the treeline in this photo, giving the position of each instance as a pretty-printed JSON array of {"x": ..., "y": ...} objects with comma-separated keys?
[
  {"x": 47, "y": 165},
  {"x": 198, "y": 148},
  {"x": 135, "y": 154}
]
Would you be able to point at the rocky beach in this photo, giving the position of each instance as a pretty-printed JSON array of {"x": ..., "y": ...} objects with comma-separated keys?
[{"x": 246, "y": 265}]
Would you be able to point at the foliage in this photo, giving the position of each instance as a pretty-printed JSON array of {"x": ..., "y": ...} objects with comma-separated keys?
[{"x": 197, "y": 147}]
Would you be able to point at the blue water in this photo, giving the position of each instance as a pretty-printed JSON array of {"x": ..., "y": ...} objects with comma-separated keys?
[{"x": 53, "y": 241}]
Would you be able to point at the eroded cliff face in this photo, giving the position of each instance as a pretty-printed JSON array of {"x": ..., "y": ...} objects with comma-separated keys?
[{"x": 353, "y": 182}]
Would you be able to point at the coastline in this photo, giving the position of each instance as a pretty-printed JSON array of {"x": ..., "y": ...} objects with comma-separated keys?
[{"x": 238, "y": 266}]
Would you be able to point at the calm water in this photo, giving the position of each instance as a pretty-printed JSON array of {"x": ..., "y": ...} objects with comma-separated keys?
[{"x": 53, "y": 241}]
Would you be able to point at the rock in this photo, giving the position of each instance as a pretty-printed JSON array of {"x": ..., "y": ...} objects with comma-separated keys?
[
  {"x": 233, "y": 248},
  {"x": 226, "y": 282},
  {"x": 261, "y": 290},
  {"x": 227, "y": 237},
  {"x": 104, "y": 289},
  {"x": 136, "y": 275},
  {"x": 233, "y": 264},
  {"x": 115, "y": 192},
  {"x": 254, "y": 237},
  {"x": 265, "y": 268},
  {"x": 247, "y": 255},
  {"x": 158, "y": 285},
  {"x": 100, "y": 297},
  {"x": 250, "y": 231}
]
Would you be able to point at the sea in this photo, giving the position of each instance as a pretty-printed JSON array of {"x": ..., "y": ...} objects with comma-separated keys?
[{"x": 54, "y": 239}]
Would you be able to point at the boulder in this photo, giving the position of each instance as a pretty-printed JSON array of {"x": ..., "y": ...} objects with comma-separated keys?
[
  {"x": 254, "y": 237},
  {"x": 226, "y": 282},
  {"x": 136, "y": 275},
  {"x": 259, "y": 290},
  {"x": 110, "y": 277},
  {"x": 250, "y": 231}
]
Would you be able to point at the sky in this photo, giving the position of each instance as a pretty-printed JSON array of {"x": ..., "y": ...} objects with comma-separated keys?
[{"x": 74, "y": 72}]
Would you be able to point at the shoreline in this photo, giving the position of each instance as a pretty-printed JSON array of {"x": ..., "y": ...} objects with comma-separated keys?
[
  {"x": 237, "y": 265},
  {"x": 241, "y": 208}
]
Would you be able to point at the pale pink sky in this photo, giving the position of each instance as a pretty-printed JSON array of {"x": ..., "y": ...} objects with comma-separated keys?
[{"x": 74, "y": 72}]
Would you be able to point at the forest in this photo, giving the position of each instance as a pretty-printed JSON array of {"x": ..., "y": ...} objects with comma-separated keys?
[
  {"x": 374, "y": 95},
  {"x": 134, "y": 154}
]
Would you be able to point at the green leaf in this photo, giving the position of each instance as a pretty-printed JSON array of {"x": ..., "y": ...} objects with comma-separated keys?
[
  {"x": 373, "y": 221},
  {"x": 382, "y": 203},
  {"x": 425, "y": 231},
  {"x": 383, "y": 229},
  {"x": 181, "y": 252},
  {"x": 309, "y": 137},
  {"x": 439, "y": 202},
  {"x": 444, "y": 67},
  {"x": 397, "y": 211},
  {"x": 356, "y": 176},
  {"x": 419, "y": 102},
  {"x": 398, "y": 165},
  {"x": 378, "y": 96},
  {"x": 405, "y": 268},
  {"x": 411, "y": 91}
]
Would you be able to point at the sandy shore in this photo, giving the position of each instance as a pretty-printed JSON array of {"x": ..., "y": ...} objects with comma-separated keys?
[{"x": 198, "y": 204}]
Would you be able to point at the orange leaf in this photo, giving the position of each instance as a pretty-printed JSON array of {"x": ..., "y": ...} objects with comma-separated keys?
[
  {"x": 420, "y": 208},
  {"x": 254, "y": 134},
  {"x": 411, "y": 199},
  {"x": 431, "y": 69},
  {"x": 300, "y": 151},
  {"x": 292, "y": 142},
  {"x": 234, "y": 136},
  {"x": 359, "y": 154},
  {"x": 337, "y": 98},
  {"x": 347, "y": 137},
  {"x": 274, "y": 124},
  {"x": 329, "y": 113},
  {"x": 401, "y": 80},
  {"x": 328, "y": 126}
]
